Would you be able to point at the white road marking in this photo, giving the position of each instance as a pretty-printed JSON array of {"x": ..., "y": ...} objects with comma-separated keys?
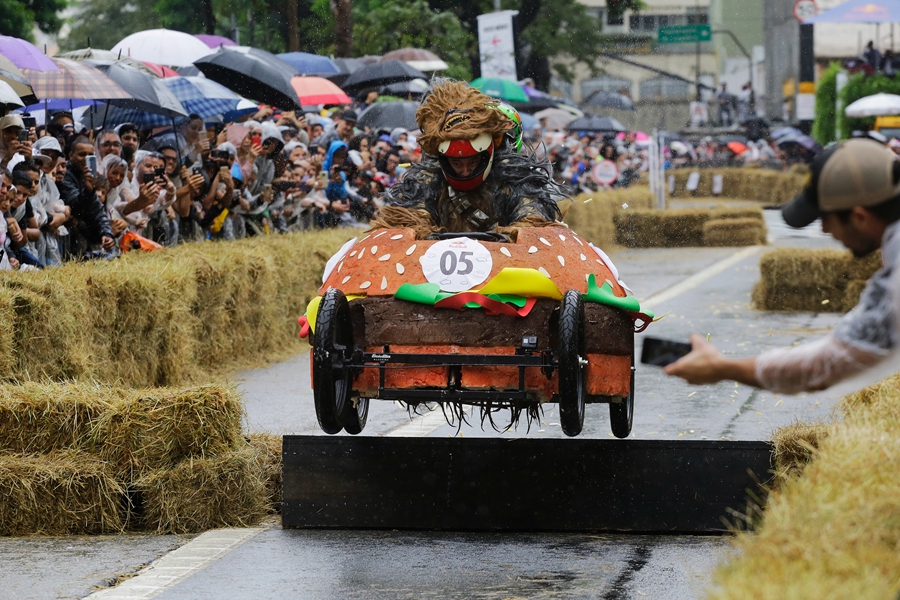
[
  {"x": 698, "y": 278},
  {"x": 178, "y": 565},
  {"x": 420, "y": 426}
]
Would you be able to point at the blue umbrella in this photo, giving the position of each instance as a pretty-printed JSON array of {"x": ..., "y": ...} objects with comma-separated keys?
[
  {"x": 784, "y": 131},
  {"x": 528, "y": 122},
  {"x": 860, "y": 11},
  {"x": 310, "y": 64}
]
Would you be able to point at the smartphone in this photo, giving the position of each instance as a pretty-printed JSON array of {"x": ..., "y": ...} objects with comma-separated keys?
[
  {"x": 149, "y": 178},
  {"x": 224, "y": 170},
  {"x": 23, "y": 135},
  {"x": 91, "y": 162},
  {"x": 659, "y": 352},
  {"x": 323, "y": 176},
  {"x": 196, "y": 168},
  {"x": 29, "y": 121}
]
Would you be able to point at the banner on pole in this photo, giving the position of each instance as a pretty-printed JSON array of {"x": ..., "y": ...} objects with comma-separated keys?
[{"x": 496, "y": 44}]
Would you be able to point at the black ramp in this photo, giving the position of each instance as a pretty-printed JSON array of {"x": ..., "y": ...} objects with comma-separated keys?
[{"x": 518, "y": 484}]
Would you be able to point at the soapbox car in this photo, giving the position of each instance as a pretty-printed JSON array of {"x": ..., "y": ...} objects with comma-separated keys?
[{"x": 469, "y": 320}]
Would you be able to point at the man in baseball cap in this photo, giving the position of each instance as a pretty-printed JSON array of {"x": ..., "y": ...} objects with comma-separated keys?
[{"x": 854, "y": 188}]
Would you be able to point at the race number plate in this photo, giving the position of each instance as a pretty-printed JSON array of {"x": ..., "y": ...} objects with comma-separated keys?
[{"x": 457, "y": 265}]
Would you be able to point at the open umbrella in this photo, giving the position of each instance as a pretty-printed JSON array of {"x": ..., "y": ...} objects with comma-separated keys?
[
  {"x": 161, "y": 71},
  {"x": 417, "y": 58},
  {"x": 196, "y": 94},
  {"x": 415, "y": 87},
  {"x": 382, "y": 73},
  {"x": 596, "y": 123},
  {"x": 859, "y": 11},
  {"x": 609, "y": 100},
  {"x": 783, "y": 131},
  {"x": 317, "y": 90},
  {"x": 310, "y": 64},
  {"x": 345, "y": 67},
  {"x": 214, "y": 41},
  {"x": 389, "y": 115},
  {"x": 163, "y": 46},
  {"x": 146, "y": 93},
  {"x": 802, "y": 141},
  {"x": 88, "y": 53},
  {"x": 877, "y": 105},
  {"x": 736, "y": 147},
  {"x": 9, "y": 99},
  {"x": 556, "y": 118},
  {"x": 24, "y": 54},
  {"x": 504, "y": 89},
  {"x": 74, "y": 81},
  {"x": 13, "y": 76},
  {"x": 253, "y": 73}
]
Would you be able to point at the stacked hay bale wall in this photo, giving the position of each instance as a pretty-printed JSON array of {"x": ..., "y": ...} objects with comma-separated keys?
[
  {"x": 833, "y": 531},
  {"x": 163, "y": 318},
  {"x": 690, "y": 227},
  {"x": 95, "y": 459},
  {"x": 592, "y": 215},
  {"x": 801, "y": 279},
  {"x": 766, "y": 186}
]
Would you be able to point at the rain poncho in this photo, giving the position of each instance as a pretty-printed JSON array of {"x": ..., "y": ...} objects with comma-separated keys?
[
  {"x": 335, "y": 191},
  {"x": 866, "y": 342}
]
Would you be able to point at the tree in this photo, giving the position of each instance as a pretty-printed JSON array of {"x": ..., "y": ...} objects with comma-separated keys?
[
  {"x": 342, "y": 10},
  {"x": 394, "y": 24},
  {"x": 20, "y": 16},
  {"x": 547, "y": 30}
]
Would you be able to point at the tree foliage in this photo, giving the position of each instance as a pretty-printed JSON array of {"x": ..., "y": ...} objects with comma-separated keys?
[
  {"x": 395, "y": 24},
  {"x": 18, "y": 17}
]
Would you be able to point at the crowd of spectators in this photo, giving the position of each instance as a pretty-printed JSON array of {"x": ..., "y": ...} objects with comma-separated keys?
[{"x": 68, "y": 193}]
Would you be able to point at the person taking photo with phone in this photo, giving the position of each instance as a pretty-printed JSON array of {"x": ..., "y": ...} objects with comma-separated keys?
[
  {"x": 15, "y": 141},
  {"x": 89, "y": 217},
  {"x": 855, "y": 190}
]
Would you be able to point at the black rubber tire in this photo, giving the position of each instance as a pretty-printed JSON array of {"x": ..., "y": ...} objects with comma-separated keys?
[
  {"x": 572, "y": 368},
  {"x": 621, "y": 414},
  {"x": 354, "y": 417},
  {"x": 333, "y": 343}
]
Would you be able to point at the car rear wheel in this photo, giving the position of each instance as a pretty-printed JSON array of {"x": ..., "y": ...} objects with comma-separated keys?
[
  {"x": 331, "y": 352},
  {"x": 572, "y": 363},
  {"x": 622, "y": 413}
]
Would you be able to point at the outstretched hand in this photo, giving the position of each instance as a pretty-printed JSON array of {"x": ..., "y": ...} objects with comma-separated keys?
[{"x": 700, "y": 366}]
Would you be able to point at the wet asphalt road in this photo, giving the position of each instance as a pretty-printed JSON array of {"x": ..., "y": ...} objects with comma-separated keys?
[{"x": 371, "y": 564}]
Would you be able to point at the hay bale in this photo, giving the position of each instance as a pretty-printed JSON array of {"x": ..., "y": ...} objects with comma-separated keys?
[
  {"x": 734, "y": 232},
  {"x": 42, "y": 418},
  {"x": 65, "y": 493},
  {"x": 268, "y": 448},
  {"x": 795, "y": 446},
  {"x": 134, "y": 430},
  {"x": 766, "y": 296},
  {"x": 199, "y": 494},
  {"x": 803, "y": 268},
  {"x": 591, "y": 214},
  {"x": 766, "y": 186},
  {"x": 802, "y": 279},
  {"x": 156, "y": 429},
  {"x": 640, "y": 229}
]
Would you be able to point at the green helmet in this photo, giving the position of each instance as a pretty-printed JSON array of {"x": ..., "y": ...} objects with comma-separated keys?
[{"x": 515, "y": 132}]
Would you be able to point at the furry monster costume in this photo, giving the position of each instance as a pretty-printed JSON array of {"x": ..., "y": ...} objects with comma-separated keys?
[{"x": 518, "y": 191}]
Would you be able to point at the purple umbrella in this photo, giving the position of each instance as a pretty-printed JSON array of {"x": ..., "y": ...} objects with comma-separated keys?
[
  {"x": 25, "y": 55},
  {"x": 214, "y": 41}
]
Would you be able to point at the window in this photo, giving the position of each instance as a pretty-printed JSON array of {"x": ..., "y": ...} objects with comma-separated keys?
[
  {"x": 606, "y": 84},
  {"x": 648, "y": 24}
]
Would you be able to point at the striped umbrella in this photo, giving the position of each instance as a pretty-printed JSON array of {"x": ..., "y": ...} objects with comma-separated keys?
[{"x": 76, "y": 81}]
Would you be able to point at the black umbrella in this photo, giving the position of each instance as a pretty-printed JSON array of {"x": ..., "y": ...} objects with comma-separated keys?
[
  {"x": 388, "y": 115},
  {"x": 147, "y": 93},
  {"x": 595, "y": 123},
  {"x": 534, "y": 104},
  {"x": 416, "y": 87},
  {"x": 254, "y": 73},
  {"x": 383, "y": 73},
  {"x": 345, "y": 67},
  {"x": 609, "y": 100}
]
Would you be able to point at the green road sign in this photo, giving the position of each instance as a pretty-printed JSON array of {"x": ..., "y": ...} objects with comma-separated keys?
[{"x": 684, "y": 34}]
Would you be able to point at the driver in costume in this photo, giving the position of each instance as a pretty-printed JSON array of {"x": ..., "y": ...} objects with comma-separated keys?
[{"x": 472, "y": 177}]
